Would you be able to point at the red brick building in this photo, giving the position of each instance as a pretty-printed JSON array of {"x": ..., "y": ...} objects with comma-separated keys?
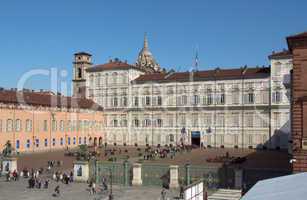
[{"x": 298, "y": 47}]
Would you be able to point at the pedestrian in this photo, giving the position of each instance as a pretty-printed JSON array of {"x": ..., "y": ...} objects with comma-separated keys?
[
  {"x": 46, "y": 184},
  {"x": 163, "y": 194},
  {"x": 181, "y": 192},
  {"x": 57, "y": 190},
  {"x": 93, "y": 188}
]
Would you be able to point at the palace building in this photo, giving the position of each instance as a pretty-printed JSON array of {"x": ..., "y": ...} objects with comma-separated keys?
[
  {"x": 41, "y": 121},
  {"x": 242, "y": 107}
]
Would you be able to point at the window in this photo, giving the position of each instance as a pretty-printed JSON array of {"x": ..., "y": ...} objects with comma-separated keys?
[
  {"x": 195, "y": 99},
  {"x": 28, "y": 145},
  {"x": 209, "y": 99},
  {"x": 61, "y": 125},
  {"x": 115, "y": 123},
  {"x": 249, "y": 98},
  {"x": 249, "y": 120},
  {"x": 115, "y": 102},
  {"x": 136, "y": 122},
  {"x": 9, "y": 125},
  {"x": 159, "y": 122},
  {"x": 207, "y": 119},
  {"x": 195, "y": 119},
  {"x": 84, "y": 140},
  {"x": 182, "y": 119},
  {"x": 136, "y": 101},
  {"x": 79, "y": 73},
  {"x": 45, "y": 125},
  {"x": 61, "y": 141},
  {"x": 147, "y": 122},
  {"x": 124, "y": 101},
  {"x": 235, "y": 97},
  {"x": 114, "y": 78},
  {"x": 17, "y": 144},
  {"x": 68, "y": 141},
  {"x": 53, "y": 142},
  {"x": 220, "y": 120},
  {"x": 46, "y": 142},
  {"x": 235, "y": 120},
  {"x": 250, "y": 140},
  {"x": 18, "y": 125},
  {"x": 28, "y": 125},
  {"x": 184, "y": 100},
  {"x": 277, "y": 69},
  {"x": 54, "y": 125},
  {"x": 80, "y": 140},
  {"x": 159, "y": 100},
  {"x": 147, "y": 101},
  {"x": 74, "y": 140},
  {"x": 171, "y": 138},
  {"x": 277, "y": 97},
  {"x": 236, "y": 140},
  {"x": 170, "y": 120},
  {"x": 222, "y": 99},
  {"x": 37, "y": 142}
]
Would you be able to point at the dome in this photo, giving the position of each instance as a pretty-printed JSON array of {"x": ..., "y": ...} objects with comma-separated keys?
[{"x": 146, "y": 59}]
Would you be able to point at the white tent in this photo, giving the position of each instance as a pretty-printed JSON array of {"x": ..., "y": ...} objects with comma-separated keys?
[{"x": 291, "y": 187}]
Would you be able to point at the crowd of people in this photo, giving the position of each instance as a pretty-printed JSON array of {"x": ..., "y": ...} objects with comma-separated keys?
[{"x": 168, "y": 151}]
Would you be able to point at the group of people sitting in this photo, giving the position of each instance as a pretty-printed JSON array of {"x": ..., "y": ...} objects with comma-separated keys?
[{"x": 168, "y": 151}]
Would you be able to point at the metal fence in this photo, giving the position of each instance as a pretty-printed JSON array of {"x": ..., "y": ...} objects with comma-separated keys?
[
  {"x": 119, "y": 172},
  {"x": 155, "y": 175}
]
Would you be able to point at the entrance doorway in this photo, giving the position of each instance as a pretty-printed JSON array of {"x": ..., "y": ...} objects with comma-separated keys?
[{"x": 195, "y": 138}]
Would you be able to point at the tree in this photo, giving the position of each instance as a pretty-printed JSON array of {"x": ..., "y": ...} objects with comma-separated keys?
[
  {"x": 83, "y": 152},
  {"x": 8, "y": 149}
]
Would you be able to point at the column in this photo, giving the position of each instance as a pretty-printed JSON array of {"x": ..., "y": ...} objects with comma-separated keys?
[
  {"x": 173, "y": 182},
  {"x": 137, "y": 174}
]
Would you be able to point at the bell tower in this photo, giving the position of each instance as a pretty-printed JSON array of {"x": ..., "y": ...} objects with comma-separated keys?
[{"x": 82, "y": 61}]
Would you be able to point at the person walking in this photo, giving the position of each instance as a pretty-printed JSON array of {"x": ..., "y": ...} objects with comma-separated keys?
[
  {"x": 163, "y": 194},
  {"x": 57, "y": 190}
]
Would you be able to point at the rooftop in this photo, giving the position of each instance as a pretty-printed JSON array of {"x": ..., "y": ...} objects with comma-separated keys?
[
  {"x": 216, "y": 74},
  {"x": 112, "y": 65},
  {"x": 45, "y": 99}
]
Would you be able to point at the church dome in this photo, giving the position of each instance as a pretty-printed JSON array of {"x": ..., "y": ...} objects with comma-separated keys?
[{"x": 146, "y": 59}]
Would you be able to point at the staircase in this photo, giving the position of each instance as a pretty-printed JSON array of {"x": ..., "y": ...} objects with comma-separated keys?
[{"x": 225, "y": 194}]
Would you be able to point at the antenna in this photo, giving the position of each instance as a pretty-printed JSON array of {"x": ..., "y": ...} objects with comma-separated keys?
[{"x": 196, "y": 61}]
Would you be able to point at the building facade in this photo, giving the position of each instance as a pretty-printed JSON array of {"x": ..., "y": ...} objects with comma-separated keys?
[
  {"x": 298, "y": 47},
  {"x": 145, "y": 104},
  {"x": 35, "y": 121}
]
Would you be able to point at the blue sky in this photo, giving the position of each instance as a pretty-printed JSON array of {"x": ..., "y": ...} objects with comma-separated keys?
[{"x": 44, "y": 34}]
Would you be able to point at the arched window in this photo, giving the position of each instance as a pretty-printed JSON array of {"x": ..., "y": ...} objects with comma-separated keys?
[
  {"x": 9, "y": 125},
  {"x": 54, "y": 125},
  {"x": 79, "y": 73},
  {"x": 28, "y": 125},
  {"x": 277, "y": 69},
  {"x": 18, "y": 125},
  {"x": 91, "y": 80},
  {"x": 106, "y": 79},
  {"x": 61, "y": 125},
  {"x": 114, "y": 78}
]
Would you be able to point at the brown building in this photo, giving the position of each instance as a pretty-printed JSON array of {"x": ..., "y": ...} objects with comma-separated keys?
[
  {"x": 298, "y": 47},
  {"x": 41, "y": 121}
]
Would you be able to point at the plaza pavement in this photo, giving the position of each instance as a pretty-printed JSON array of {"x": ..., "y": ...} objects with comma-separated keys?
[{"x": 76, "y": 191}]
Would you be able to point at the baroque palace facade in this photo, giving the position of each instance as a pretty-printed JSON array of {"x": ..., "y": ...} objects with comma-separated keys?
[
  {"x": 41, "y": 121},
  {"x": 144, "y": 104}
]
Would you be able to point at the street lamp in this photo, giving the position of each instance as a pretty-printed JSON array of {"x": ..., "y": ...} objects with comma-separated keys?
[{"x": 111, "y": 184}]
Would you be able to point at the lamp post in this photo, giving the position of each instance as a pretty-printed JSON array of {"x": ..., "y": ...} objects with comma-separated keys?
[{"x": 111, "y": 184}]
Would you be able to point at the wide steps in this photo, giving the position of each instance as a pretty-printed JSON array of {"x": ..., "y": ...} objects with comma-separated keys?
[{"x": 225, "y": 194}]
